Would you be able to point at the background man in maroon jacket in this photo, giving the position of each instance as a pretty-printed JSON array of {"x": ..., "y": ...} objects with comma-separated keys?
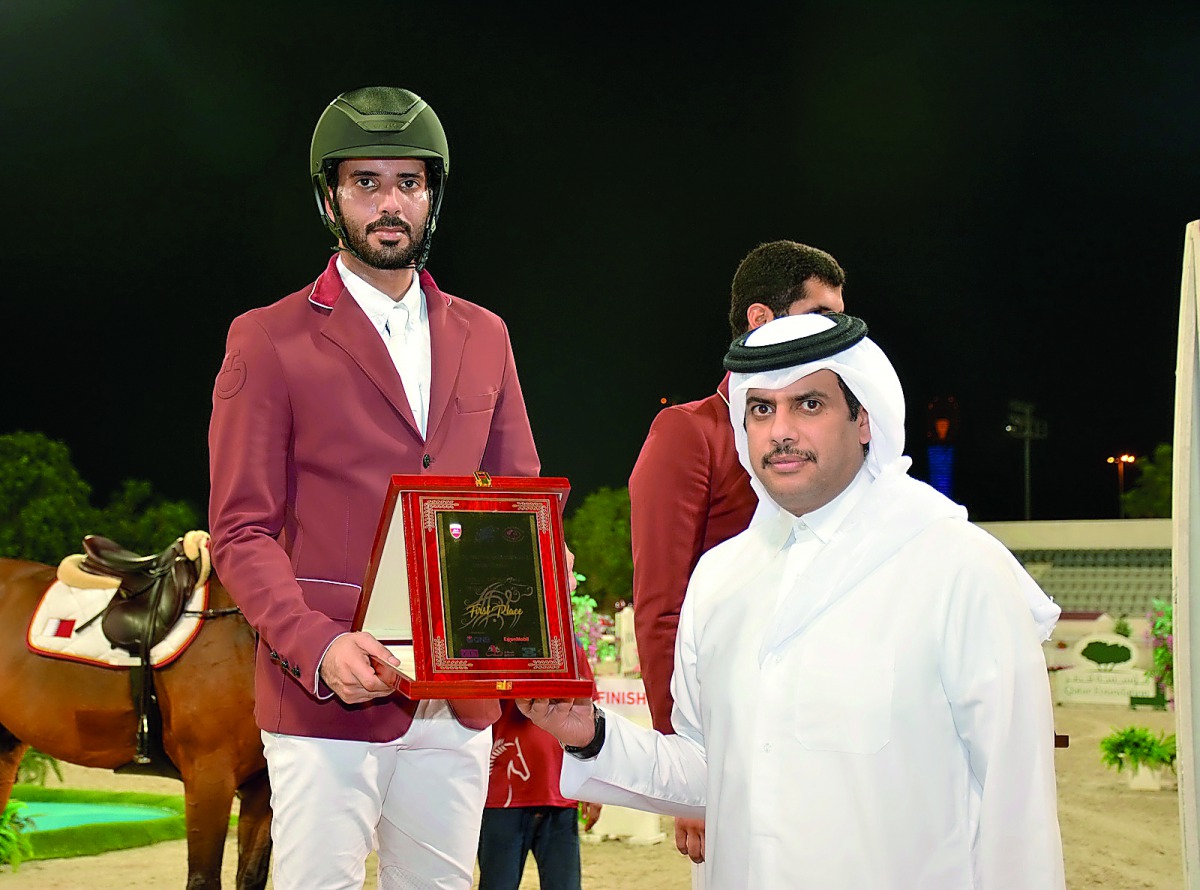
[
  {"x": 369, "y": 371},
  {"x": 688, "y": 492}
]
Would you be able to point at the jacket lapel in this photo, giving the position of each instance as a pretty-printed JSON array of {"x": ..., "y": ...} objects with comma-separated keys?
[{"x": 447, "y": 340}]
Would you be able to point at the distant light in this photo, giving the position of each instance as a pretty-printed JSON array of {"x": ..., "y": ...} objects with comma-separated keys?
[
  {"x": 941, "y": 468},
  {"x": 1120, "y": 460},
  {"x": 663, "y": 400}
]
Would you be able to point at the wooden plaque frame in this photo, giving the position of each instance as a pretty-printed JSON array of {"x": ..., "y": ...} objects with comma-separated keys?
[{"x": 467, "y": 586}]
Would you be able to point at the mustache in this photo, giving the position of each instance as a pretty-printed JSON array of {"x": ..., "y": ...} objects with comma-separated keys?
[
  {"x": 389, "y": 222},
  {"x": 785, "y": 451}
]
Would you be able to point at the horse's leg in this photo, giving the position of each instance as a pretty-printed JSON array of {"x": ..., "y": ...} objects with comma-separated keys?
[
  {"x": 208, "y": 796},
  {"x": 254, "y": 833},
  {"x": 12, "y": 750}
]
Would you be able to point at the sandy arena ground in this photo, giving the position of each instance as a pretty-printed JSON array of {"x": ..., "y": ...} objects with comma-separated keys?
[{"x": 1114, "y": 838}]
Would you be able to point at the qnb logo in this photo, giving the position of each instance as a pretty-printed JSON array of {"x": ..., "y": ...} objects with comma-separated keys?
[{"x": 232, "y": 377}]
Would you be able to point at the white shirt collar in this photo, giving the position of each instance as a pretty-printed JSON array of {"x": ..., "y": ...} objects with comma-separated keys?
[
  {"x": 376, "y": 304},
  {"x": 824, "y": 521}
]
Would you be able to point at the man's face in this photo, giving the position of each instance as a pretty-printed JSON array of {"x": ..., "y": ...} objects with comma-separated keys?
[
  {"x": 383, "y": 203},
  {"x": 802, "y": 444}
]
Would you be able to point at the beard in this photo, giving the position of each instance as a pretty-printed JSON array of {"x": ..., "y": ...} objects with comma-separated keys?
[{"x": 387, "y": 256}]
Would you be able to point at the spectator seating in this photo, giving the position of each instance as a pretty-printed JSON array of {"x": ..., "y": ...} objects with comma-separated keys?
[{"x": 1090, "y": 567}]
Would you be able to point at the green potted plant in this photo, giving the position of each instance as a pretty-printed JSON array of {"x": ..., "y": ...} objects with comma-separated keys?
[{"x": 1146, "y": 755}]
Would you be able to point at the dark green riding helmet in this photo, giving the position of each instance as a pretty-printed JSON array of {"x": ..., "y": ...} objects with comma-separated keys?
[{"x": 379, "y": 122}]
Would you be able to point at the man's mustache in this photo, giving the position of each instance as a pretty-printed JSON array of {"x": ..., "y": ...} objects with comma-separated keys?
[
  {"x": 784, "y": 451},
  {"x": 389, "y": 222}
]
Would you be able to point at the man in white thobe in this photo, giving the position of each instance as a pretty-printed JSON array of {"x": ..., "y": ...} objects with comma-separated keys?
[{"x": 861, "y": 699}]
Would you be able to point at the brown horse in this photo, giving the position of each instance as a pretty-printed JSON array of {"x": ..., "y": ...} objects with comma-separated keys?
[{"x": 85, "y": 715}]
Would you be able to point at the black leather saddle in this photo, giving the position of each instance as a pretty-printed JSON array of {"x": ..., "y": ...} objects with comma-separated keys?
[{"x": 152, "y": 594}]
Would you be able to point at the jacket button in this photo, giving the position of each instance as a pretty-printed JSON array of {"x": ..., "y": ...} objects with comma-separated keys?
[{"x": 426, "y": 461}]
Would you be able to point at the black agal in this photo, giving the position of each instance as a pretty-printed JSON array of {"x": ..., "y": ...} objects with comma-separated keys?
[{"x": 846, "y": 331}]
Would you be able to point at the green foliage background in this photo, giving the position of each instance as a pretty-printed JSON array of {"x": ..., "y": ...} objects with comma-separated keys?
[
  {"x": 45, "y": 512},
  {"x": 46, "y": 507},
  {"x": 598, "y": 534},
  {"x": 1150, "y": 494}
]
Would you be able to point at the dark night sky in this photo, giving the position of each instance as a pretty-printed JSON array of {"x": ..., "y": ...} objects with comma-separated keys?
[{"x": 1007, "y": 187}]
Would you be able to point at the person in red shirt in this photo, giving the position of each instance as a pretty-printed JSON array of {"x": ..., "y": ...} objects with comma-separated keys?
[{"x": 525, "y": 812}]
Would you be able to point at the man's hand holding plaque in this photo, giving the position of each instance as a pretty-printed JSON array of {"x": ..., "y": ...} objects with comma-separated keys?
[
  {"x": 351, "y": 668},
  {"x": 570, "y": 720}
]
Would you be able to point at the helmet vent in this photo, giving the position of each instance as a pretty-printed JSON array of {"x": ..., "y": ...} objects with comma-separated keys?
[{"x": 381, "y": 100}]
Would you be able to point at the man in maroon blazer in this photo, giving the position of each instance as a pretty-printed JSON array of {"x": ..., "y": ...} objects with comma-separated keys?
[
  {"x": 370, "y": 370},
  {"x": 688, "y": 492}
]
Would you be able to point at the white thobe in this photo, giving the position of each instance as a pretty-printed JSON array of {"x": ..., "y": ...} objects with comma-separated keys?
[{"x": 887, "y": 723}]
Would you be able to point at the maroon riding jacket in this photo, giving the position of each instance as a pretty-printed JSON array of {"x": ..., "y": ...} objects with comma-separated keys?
[
  {"x": 309, "y": 422},
  {"x": 687, "y": 494}
]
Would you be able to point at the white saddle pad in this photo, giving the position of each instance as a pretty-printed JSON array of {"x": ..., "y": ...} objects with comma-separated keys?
[{"x": 55, "y": 628}]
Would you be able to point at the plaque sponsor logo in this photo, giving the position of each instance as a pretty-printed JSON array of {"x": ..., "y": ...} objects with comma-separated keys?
[{"x": 456, "y": 530}]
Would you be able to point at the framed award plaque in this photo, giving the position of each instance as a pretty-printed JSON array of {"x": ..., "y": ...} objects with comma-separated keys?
[{"x": 467, "y": 587}]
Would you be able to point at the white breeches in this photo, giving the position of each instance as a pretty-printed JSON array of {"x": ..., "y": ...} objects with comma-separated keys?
[{"x": 418, "y": 800}]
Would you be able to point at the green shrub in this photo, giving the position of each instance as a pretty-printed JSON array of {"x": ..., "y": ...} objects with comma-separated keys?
[
  {"x": 14, "y": 845},
  {"x": 35, "y": 768},
  {"x": 1136, "y": 746}
]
